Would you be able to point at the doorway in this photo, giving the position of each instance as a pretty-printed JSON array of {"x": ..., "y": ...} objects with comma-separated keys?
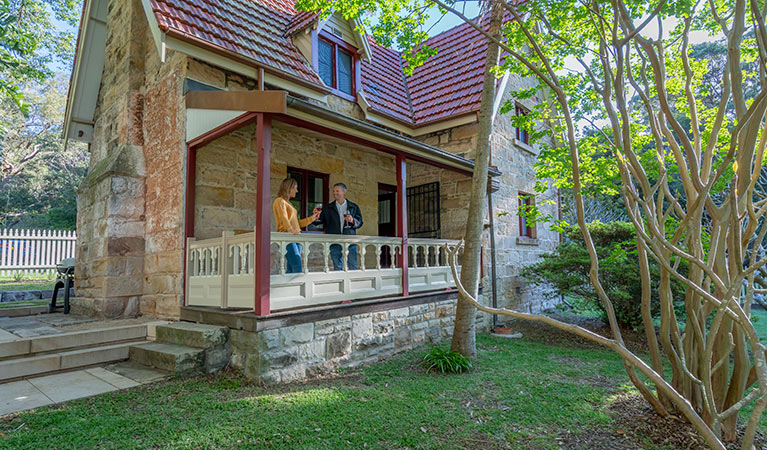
[{"x": 387, "y": 218}]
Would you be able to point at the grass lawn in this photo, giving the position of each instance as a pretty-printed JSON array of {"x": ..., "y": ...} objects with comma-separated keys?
[
  {"x": 27, "y": 285},
  {"x": 521, "y": 394},
  {"x": 5, "y": 305}
]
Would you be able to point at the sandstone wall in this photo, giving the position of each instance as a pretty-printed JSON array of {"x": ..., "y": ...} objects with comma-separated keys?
[
  {"x": 291, "y": 353},
  {"x": 225, "y": 194},
  {"x": 515, "y": 161},
  {"x": 130, "y": 207}
]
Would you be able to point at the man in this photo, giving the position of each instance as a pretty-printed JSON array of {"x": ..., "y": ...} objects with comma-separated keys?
[{"x": 341, "y": 217}]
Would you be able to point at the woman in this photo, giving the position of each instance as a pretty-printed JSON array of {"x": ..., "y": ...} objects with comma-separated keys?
[{"x": 287, "y": 221}]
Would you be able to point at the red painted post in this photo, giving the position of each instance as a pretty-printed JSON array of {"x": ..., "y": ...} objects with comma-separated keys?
[
  {"x": 191, "y": 183},
  {"x": 263, "y": 214},
  {"x": 402, "y": 219}
]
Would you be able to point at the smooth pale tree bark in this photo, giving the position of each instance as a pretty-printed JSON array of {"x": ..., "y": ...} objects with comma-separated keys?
[{"x": 464, "y": 330}]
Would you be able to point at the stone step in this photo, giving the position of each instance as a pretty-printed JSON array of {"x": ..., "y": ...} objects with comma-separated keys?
[
  {"x": 192, "y": 334},
  {"x": 178, "y": 359},
  {"x": 56, "y": 362},
  {"x": 27, "y": 310},
  {"x": 72, "y": 340}
]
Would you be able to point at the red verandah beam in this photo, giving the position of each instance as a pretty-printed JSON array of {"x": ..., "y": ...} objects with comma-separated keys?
[
  {"x": 263, "y": 214},
  {"x": 402, "y": 219}
]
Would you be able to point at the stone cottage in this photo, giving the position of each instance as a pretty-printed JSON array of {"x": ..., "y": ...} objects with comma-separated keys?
[{"x": 195, "y": 111}]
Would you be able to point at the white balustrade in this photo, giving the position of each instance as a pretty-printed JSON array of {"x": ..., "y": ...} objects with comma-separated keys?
[
  {"x": 221, "y": 272},
  {"x": 429, "y": 269}
]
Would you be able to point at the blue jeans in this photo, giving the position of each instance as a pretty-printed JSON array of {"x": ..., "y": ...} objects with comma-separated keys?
[
  {"x": 336, "y": 255},
  {"x": 293, "y": 257}
]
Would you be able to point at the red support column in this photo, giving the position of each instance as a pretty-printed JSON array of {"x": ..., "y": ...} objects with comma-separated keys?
[
  {"x": 263, "y": 214},
  {"x": 191, "y": 176},
  {"x": 402, "y": 219}
]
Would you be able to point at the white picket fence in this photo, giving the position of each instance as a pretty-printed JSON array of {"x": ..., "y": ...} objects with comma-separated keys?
[{"x": 34, "y": 251}]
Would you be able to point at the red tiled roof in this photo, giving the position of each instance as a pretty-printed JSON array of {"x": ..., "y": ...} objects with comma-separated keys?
[
  {"x": 383, "y": 83},
  {"x": 253, "y": 29},
  {"x": 449, "y": 84},
  {"x": 301, "y": 20}
]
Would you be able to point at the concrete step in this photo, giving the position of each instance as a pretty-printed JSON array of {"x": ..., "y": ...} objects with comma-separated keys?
[
  {"x": 40, "y": 345},
  {"x": 26, "y": 310},
  {"x": 55, "y": 362},
  {"x": 177, "y": 359},
  {"x": 192, "y": 334}
]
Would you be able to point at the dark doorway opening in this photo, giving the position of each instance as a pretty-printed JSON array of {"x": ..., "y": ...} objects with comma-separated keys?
[{"x": 387, "y": 218}]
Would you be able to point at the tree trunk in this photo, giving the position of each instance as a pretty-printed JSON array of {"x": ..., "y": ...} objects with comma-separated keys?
[{"x": 464, "y": 331}]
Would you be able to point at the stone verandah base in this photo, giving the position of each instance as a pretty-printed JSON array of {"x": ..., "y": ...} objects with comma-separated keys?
[{"x": 311, "y": 349}]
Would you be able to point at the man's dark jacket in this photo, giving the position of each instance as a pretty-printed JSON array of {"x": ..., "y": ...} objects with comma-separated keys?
[{"x": 332, "y": 222}]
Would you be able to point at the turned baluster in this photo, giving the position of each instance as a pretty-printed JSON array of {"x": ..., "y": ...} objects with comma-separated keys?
[
  {"x": 345, "y": 257},
  {"x": 305, "y": 257},
  {"x": 363, "y": 250},
  {"x": 243, "y": 258},
  {"x": 234, "y": 253},
  {"x": 378, "y": 256},
  {"x": 282, "y": 251},
  {"x": 326, "y": 254}
]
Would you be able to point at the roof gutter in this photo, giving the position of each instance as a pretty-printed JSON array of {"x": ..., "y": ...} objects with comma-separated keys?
[
  {"x": 198, "y": 42},
  {"x": 309, "y": 108}
]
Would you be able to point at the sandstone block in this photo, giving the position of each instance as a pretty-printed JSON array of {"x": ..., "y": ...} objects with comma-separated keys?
[
  {"x": 297, "y": 334},
  {"x": 213, "y": 196},
  {"x": 193, "y": 334},
  {"x": 398, "y": 313},
  {"x": 312, "y": 351},
  {"x": 277, "y": 359},
  {"x": 331, "y": 326},
  {"x": 362, "y": 327},
  {"x": 402, "y": 337},
  {"x": 445, "y": 310},
  {"x": 267, "y": 339},
  {"x": 338, "y": 345}
]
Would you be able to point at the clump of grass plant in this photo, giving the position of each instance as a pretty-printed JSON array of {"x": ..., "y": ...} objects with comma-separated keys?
[{"x": 445, "y": 361}]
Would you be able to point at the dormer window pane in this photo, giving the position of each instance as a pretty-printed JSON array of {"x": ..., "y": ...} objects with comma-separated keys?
[
  {"x": 326, "y": 62},
  {"x": 344, "y": 72}
]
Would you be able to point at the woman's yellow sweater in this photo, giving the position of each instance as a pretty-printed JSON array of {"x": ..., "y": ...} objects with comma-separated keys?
[{"x": 287, "y": 216}]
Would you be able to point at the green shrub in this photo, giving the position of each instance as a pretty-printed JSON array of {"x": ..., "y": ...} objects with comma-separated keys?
[
  {"x": 445, "y": 361},
  {"x": 566, "y": 271}
]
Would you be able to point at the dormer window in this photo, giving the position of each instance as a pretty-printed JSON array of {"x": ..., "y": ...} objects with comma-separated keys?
[{"x": 336, "y": 65}]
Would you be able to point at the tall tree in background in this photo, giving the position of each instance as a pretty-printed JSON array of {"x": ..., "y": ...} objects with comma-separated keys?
[
  {"x": 38, "y": 176},
  {"x": 31, "y": 42}
]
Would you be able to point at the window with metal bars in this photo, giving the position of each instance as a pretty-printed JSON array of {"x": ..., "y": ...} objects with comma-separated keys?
[{"x": 423, "y": 211}]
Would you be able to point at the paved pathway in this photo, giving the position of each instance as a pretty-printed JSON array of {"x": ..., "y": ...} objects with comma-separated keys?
[
  {"x": 12, "y": 328},
  {"x": 61, "y": 387}
]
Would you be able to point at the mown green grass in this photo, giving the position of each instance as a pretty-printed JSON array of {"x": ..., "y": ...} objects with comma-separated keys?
[
  {"x": 519, "y": 393},
  {"x": 39, "y": 285},
  {"x": 24, "y": 303}
]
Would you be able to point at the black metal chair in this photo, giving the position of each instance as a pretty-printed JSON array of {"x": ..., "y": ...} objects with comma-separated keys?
[{"x": 65, "y": 277}]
